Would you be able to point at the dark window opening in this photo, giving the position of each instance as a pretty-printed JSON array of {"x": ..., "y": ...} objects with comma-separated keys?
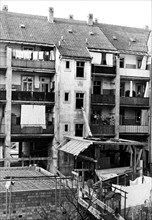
[
  {"x": 80, "y": 69},
  {"x": 103, "y": 62},
  {"x": 79, "y": 130},
  {"x": 67, "y": 64},
  {"x": 138, "y": 117},
  {"x": 139, "y": 62},
  {"x": 121, "y": 62},
  {"x": 97, "y": 87},
  {"x": 66, "y": 96},
  {"x": 79, "y": 100},
  {"x": 66, "y": 127}
]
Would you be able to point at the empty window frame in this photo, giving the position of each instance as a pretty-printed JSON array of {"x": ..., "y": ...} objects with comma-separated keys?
[
  {"x": 27, "y": 83},
  {"x": 97, "y": 87},
  {"x": 79, "y": 100},
  {"x": 80, "y": 69},
  {"x": 79, "y": 130}
]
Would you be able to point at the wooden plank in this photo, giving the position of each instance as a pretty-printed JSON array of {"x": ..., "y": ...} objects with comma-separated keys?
[
  {"x": 87, "y": 158},
  {"x": 25, "y": 159}
]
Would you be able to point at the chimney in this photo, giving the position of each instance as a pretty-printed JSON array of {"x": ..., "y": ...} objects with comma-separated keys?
[
  {"x": 51, "y": 14},
  {"x": 5, "y": 8},
  {"x": 90, "y": 19},
  {"x": 96, "y": 20},
  {"x": 71, "y": 17},
  {"x": 146, "y": 27}
]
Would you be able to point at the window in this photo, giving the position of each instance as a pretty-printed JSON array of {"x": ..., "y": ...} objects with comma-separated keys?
[
  {"x": 67, "y": 65},
  {"x": 122, "y": 89},
  {"x": 79, "y": 130},
  {"x": 66, "y": 127},
  {"x": 139, "y": 62},
  {"x": 28, "y": 48},
  {"x": 27, "y": 83},
  {"x": 140, "y": 90},
  {"x": 66, "y": 96},
  {"x": 138, "y": 117},
  {"x": 79, "y": 100},
  {"x": 103, "y": 61},
  {"x": 121, "y": 62},
  {"x": 97, "y": 87},
  {"x": 80, "y": 69},
  {"x": 44, "y": 84}
]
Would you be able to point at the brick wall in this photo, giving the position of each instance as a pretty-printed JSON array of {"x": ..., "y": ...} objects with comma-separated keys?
[{"x": 26, "y": 205}]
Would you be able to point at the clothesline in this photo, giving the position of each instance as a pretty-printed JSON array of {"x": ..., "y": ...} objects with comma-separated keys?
[{"x": 33, "y": 55}]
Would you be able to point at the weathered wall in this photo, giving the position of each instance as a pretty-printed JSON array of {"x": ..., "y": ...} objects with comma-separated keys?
[{"x": 27, "y": 205}]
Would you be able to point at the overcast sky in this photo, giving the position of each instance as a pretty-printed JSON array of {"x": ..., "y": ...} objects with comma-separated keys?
[{"x": 134, "y": 13}]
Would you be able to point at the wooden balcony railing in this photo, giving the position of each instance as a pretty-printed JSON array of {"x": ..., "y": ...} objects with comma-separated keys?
[
  {"x": 102, "y": 99},
  {"x": 2, "y": 95},
  {"x": 100, "y": 69},
  {"x": 39, "y": 64},
  {"x": 138, "y": 129},
  {"x": 17, "y": 129},
  {"x": 134, "y": 101},
  {"x": 98, "y": 129},
  {"x": 33, "y": 96}
]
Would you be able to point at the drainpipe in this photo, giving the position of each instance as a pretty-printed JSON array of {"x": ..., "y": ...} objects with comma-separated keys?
[
  {"x": 150, "y": 132},
  {"x": 8, "y": 107},
  {"x": 117, "y": 97}
]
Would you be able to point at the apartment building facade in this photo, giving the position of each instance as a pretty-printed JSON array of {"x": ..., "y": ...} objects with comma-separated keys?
[{"x": 51, "y": 68}]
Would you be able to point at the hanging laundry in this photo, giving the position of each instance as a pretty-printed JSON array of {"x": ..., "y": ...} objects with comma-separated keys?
[
  {"x": 109, "y": 59},
  {"x": 52, "y": 55},
  {"x": 35, "y": 55},
  {"x": 19, "y": 54},
  {"x": 41, "y": 55},
  {"x": 27, "y": 54},
  {"x": 96, "y": 57},
  {"x": 14, "y": 54}
]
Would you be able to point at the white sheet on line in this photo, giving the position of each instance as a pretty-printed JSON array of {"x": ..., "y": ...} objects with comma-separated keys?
[{"x": 33, "y": 115}]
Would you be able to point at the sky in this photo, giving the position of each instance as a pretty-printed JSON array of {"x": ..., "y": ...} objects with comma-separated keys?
[{"x": 133, "y": 13}]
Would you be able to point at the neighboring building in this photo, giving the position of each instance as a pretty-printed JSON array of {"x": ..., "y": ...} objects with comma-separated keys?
[
  {"x": 30, "y": 193},
  {"x": 51, "y": 68}
]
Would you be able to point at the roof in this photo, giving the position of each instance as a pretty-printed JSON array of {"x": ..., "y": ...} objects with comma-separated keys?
[
  {"x": 75, "y": 146},
  {"x": 106, "y": 174},
  {"x": 126, "y": 39},
  {"x": 26, "y": 179},
  {"x": 74, "y": 36}
]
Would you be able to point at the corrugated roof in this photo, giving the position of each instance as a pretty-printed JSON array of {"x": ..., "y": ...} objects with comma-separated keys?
[
  {"x": 75, "y": 147},
  {"x": 126, "y": 38}
]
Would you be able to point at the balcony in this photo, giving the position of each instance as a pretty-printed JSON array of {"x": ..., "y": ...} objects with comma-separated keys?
[
  {"x": 102, "y": 130},
  {"x": 105, "y": 99},
  {"x": 134, "y": 125},
  {"x": 134, "y": 101},
  {"x": 33, "y": 96},
  {"x": 30, "y": 130},
  {"x": 102, "y": 69},
  {"x": 134, "y": 129},
  {"x": 38, "y": 64},
  {"x": 134, "y": 73},
  {"x": 2, "y": 95}
]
